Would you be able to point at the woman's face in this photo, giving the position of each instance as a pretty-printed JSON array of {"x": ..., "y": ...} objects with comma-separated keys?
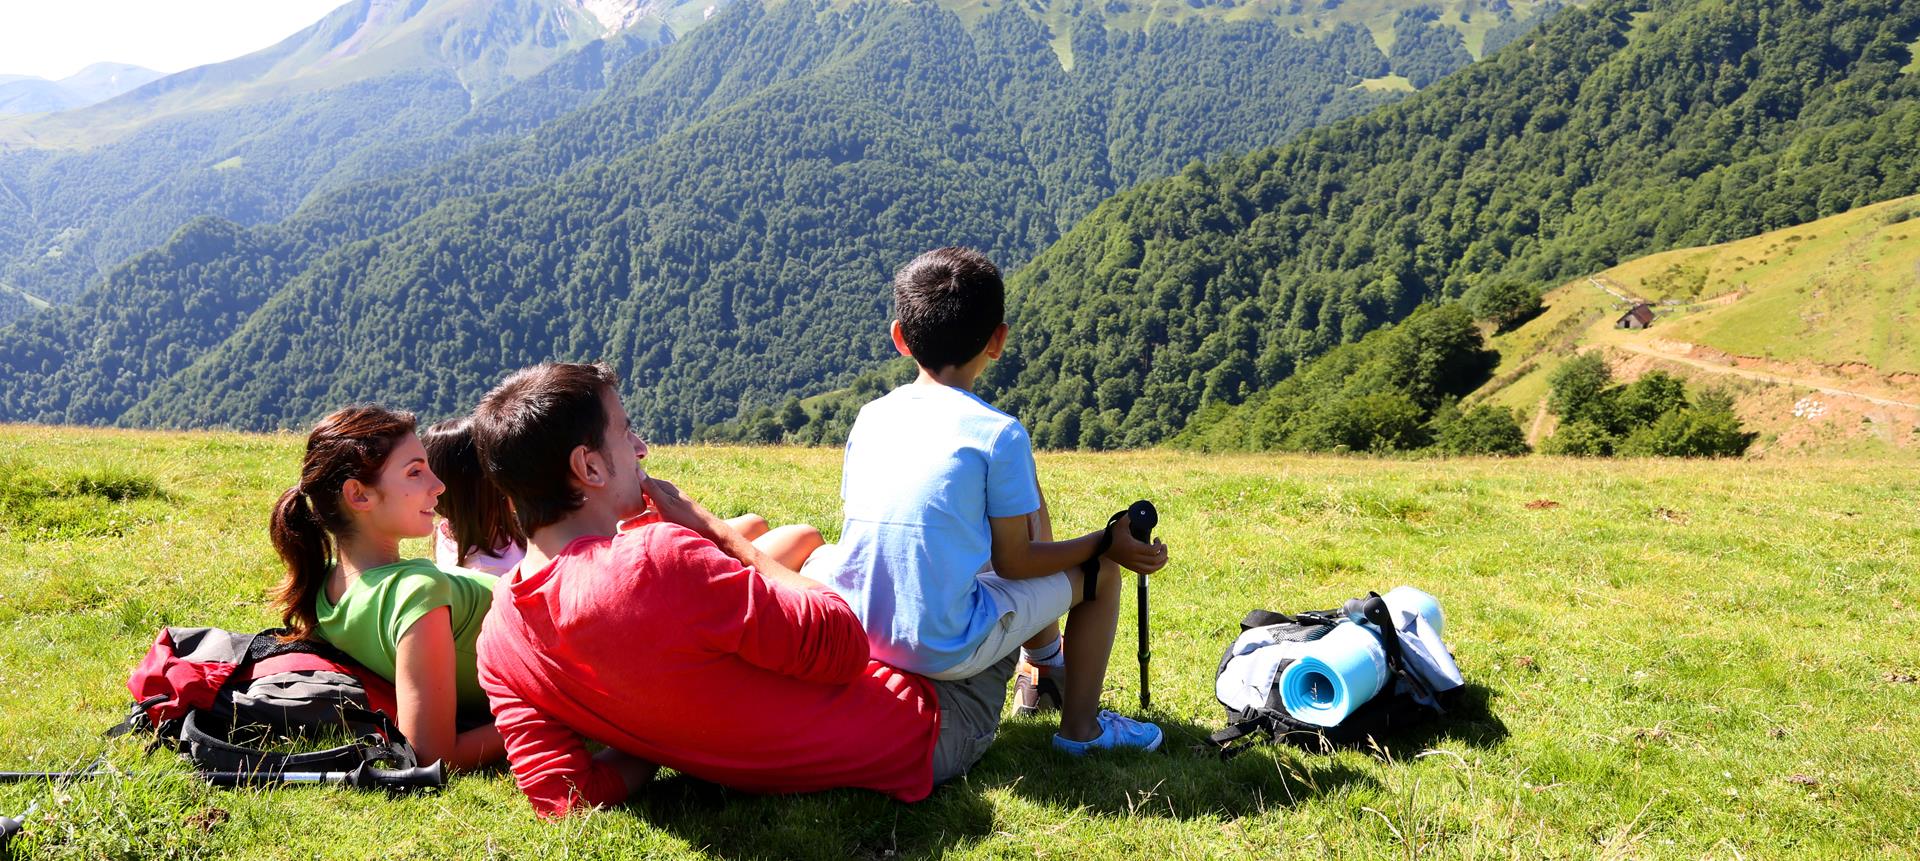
[{"x": 404, "y": 497}]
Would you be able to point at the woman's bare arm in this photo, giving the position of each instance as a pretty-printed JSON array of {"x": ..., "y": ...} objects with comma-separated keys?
[{"x": 428, "y": 699}]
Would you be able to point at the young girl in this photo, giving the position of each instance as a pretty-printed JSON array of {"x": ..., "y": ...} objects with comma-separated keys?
[
  {"x": 478, "y": 530},
  {"x": 365, "y": 485}
]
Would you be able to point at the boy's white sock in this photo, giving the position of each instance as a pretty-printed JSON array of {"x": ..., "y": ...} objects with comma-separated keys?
[{"x": 1049, "y": 655}]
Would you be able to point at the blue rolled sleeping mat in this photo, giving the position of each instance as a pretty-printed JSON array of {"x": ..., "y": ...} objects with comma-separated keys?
[
  {"x": 1334, "y": 675},
  {"x": 1338, "y": 673}
]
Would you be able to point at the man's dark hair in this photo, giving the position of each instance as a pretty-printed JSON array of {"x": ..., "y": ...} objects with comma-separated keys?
[
  {"x": 527, "y": 427},
  {"x": 948, "y": 301}
]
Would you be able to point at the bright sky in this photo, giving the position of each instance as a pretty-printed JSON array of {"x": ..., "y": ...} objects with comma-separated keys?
[{"x": 55, "y": 38}]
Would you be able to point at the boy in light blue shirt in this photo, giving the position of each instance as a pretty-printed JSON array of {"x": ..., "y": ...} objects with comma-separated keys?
[{"x": 947, "y": 553}]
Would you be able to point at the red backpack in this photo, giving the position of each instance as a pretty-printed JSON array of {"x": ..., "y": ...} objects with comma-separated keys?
[{"x": 215, "y": 696}]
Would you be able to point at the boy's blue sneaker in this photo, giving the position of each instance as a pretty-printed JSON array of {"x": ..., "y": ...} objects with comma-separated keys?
[{"x": 1116, "y": 732}]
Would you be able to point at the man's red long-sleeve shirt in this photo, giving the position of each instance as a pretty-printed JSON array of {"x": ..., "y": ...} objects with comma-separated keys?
[{"x": 660, "y": 645}]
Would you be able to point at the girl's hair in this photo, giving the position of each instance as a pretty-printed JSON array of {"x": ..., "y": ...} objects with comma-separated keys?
[
  {"x": 350, "y": 443},
  {"x": 477, "y": 513}
]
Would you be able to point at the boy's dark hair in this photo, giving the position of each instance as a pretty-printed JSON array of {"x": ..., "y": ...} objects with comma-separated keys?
[
  {"x": 948, "y": 301},
  {"x": 527, "y": 427},
  {"x": 478, "y": 514}
]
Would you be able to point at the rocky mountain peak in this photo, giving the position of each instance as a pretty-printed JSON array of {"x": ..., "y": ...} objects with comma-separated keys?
[{"x": 617, "y": 15}]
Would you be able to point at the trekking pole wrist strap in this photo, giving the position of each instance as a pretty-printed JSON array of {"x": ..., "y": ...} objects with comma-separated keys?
[{"x": 1090, "y": 569}]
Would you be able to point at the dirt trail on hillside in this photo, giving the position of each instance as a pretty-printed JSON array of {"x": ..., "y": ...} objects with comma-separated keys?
[
  {"x": 1537, "y": 431},
  {"x": 1762, "y": 376}
]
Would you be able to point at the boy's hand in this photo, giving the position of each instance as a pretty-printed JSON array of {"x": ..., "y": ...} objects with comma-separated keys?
[{"x": 1131, "y": 553}]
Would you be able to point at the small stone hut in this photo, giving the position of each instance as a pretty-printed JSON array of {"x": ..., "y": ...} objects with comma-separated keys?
[{"x": 1640, "y": 316}]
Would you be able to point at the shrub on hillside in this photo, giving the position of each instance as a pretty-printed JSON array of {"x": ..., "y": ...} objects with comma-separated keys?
[
  {"x": 1582, "y": 438},
  {"x": 1376, "y": 422},
  {"x": 1643, "y": 401},
  {"x": 1579, "y": 390},
  {"x": 1484, "y": 429},
  {"x": 1692, "y": 432},
  {"x": 1381, "y": 393},
  {"x": 1505, "y": 303},
  {"x": 1650, "y": 417}
]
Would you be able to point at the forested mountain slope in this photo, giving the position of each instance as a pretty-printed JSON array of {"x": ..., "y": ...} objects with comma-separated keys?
[
  {"x": 719, "y": 222},
  {"x": 371, "y": 88},
  {"x": 374, "y": 88},
  {"x": 1615, "y": 130},
  {"x": 151, "y": 317}
]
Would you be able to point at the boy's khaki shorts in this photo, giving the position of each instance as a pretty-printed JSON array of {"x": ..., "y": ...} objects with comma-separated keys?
[{"x": 1027, "y": 607}]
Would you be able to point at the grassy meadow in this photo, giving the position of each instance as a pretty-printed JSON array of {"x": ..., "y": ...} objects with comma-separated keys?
[{"x": 1667, "y": 659}]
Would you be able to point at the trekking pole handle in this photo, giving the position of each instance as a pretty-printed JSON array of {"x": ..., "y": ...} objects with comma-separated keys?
[
  {"x": 9, "y": 826},
  {"x": 1142, "y": 519},
  {"x": 431, "y": 776}
]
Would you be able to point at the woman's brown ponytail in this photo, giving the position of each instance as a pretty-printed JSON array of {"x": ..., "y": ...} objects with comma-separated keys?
[
  {"x": 350, "y": 443},
  {"x": 307, "y": 548}
]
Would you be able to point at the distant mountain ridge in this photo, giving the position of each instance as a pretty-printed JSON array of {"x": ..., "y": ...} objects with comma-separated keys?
[
  {"x": 712, "y": 213},
  {"x": 484, "y": 45},
  {"x": 25, "y": 94},
  {"x": 195, "y": 143},
  {"x": 373, "y": 88}
]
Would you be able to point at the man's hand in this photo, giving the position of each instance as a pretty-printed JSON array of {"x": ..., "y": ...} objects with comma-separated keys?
[
  {"x": 1132, "y": 554},
  {"x": 674, "y": 507}
]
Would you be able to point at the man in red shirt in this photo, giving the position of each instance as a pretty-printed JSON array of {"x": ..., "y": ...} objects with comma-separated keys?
[{"x": 677, "y": 642}]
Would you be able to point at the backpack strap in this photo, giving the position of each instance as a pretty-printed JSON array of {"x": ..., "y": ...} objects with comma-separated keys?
[
  {"x": 1397, "y": 662},
  {"x": 207, "y": 741},
  {"x": 136, "y": 717},
  {"x": 1263, "y": 618},
  {"x": 1244, "y": 724}
]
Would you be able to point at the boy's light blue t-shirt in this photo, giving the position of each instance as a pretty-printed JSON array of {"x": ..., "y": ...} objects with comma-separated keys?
[{"x": 926, "y": 465}]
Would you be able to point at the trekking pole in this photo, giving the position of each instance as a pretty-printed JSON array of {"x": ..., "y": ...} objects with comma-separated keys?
[
  {"x": 10, "y": 825},
  {"x": 363, "y": 776},
  {"x": 1142, "y": 517}
]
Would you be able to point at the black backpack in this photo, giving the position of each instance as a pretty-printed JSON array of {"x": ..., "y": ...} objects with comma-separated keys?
[
  {"x": 1397, "y": 706},
  {"x": 219, "y": 698}
]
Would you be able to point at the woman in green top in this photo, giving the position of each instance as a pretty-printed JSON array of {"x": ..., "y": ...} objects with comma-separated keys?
[{"x": 365, "y": 485}]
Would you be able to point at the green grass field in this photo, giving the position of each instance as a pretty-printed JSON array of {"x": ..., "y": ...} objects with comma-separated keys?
[{"x": 1672, "y": 659}]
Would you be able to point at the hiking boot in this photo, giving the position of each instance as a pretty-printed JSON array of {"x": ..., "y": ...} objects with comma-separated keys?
[
  {"x": 1116, "y": 733},
  {"x": 1036, "y": 689}
]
